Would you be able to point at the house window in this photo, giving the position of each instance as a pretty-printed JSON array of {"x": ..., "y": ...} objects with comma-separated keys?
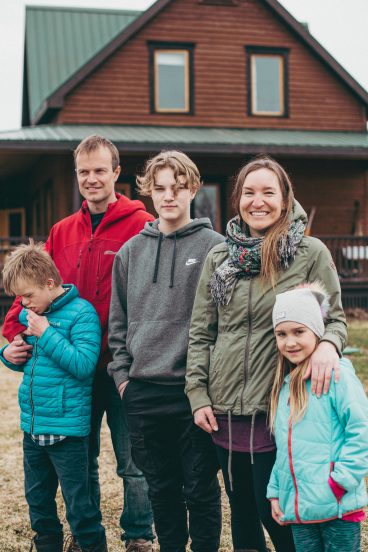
[
  {"x": 267, "y": 82},
  {"x": 171, "y": 78}
]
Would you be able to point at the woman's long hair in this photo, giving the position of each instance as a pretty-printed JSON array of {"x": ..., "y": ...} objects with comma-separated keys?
[
  {"x": 298, "y": 398},
  {"x": 270, "y": 260}
]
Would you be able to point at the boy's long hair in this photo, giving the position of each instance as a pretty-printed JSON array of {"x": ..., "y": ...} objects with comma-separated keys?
[
  {"x": 180, "y": 164},
  {"x": 29, "y": 262},
  {"x": 270, "y": 258},
  {"x": 298, "y": 398}
]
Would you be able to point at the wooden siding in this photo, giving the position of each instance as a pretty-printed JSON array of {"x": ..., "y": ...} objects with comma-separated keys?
[
  {"x": 332, "y": 187},
  {"x": 118, "y": 92}
]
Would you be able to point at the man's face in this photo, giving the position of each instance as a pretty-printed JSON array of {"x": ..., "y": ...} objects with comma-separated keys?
[
  {"x": 96, "y": 178},
  {"x": 35, "y": 297},
  {"x": 171, "y": 201}
]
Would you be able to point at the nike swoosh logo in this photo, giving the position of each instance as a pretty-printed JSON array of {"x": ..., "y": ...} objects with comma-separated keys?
[{"x": 191, "y": 262}]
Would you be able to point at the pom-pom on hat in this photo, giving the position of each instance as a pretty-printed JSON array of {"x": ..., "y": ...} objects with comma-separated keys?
[{"x": 307, "y": 304}]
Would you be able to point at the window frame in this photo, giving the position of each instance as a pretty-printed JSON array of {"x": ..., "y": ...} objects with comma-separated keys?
[
  {"x": 172, "y": 47},
  {"x": 263, "y": 51}
]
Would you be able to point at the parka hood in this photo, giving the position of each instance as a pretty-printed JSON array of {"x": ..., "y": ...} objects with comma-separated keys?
[{"x": 298, "y": 213}]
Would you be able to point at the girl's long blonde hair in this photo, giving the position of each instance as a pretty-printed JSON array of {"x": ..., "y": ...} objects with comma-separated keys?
[{"x": 298, "y": 398}]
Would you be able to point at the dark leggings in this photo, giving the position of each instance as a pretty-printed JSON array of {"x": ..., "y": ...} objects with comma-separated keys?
[{"x": 249, "y": 505}]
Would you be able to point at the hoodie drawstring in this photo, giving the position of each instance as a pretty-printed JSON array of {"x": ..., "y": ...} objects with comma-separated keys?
[
  {"x": 173, "y": 264},
  {"x": 230, "y": 457},
  {"x": 157, "y": 261}
]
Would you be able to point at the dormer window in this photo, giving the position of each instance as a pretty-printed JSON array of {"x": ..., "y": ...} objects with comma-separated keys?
[
  {"x": 171, "y": 70},
  {"x": 267, "y": 82}
]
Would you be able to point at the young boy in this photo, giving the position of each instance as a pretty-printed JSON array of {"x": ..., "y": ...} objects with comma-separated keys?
[
  {"x": 154, "y": 281},
  {"x": 55, "y": 398}
]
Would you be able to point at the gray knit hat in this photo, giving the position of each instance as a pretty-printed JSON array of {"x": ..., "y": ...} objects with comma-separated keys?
[{"x": 306, "y": 305}]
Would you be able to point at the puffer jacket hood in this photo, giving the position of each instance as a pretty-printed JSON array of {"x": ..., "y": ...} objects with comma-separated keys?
[
  {"x": 330, "y": 440},
  {"x": 56, "y": 392}
]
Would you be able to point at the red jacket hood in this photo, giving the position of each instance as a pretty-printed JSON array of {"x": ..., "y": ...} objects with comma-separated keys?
[{"x": 121, "y": 208}]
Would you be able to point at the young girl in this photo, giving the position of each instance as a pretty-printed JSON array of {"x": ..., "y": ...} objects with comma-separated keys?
[{"x": 317, "y": 482}]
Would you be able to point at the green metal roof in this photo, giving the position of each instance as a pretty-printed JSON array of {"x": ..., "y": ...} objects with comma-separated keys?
[
  {"x": 201, "y": 140},
  {"x": 59, "y": 41}
]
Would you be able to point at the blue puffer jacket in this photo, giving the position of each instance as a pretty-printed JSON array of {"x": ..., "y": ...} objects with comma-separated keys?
[
  {"x": 55, "y": 394},
  {"x": 331, "y": 439}
]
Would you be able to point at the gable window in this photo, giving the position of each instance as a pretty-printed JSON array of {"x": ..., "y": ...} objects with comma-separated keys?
[
  {"x": 171, "y": 72},
  {"x": 267, "y": 81}
]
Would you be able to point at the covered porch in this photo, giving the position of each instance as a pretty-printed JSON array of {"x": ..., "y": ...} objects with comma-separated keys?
[{"x": 329, "y": 171}]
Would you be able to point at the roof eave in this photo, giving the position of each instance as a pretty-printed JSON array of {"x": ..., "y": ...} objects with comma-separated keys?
[
  {"x": 56, "y": 100},
  {"x": 311, "y": 152},
  {"x": 322, "y": 53}
]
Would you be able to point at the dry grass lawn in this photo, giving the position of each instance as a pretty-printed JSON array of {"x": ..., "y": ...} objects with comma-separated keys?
[{"x": 15, "y": 533}]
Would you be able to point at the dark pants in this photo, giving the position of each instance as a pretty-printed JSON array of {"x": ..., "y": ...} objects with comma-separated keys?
[
  {"x": 332, "y": 536},
  {"x": 136, "y": 518},
  {"x": 180, "y": 465},
  {"x": 65, "y": 462},
  {"x": 249, "y": 505}
]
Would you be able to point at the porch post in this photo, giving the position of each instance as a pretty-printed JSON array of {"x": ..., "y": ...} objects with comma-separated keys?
[{"x": 76, "y": 197}]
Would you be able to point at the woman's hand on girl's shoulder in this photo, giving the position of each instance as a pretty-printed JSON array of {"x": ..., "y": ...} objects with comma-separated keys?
[
  {"x": 205, "y": 419},
  {"x": 323, "y": 361}
]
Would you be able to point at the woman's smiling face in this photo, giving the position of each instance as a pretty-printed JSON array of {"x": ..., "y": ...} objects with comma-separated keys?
[{"x": 261, "y": 202}]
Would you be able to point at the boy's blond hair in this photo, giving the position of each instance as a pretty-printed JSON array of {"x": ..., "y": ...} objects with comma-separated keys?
[
  {"x": 29, "y": 262},
  {"x": 181, "y": 165}
]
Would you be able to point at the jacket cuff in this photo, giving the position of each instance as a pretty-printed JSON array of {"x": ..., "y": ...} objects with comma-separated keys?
[
  {"x": 335, "y": 340},
  {"x": 3, "y": 359},
  {"x": 15, "y": 329},
  {"x": 272, "y": 492},
  {"x": 119, "y": 377},
  {"x": 198, "y": 398}
]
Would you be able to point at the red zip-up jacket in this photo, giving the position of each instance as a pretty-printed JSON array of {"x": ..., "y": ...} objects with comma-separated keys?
[{"x": 86, "y": 259}]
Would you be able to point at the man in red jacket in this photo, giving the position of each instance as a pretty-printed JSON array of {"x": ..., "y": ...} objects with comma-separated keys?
[{"x": 83, "y": 247}]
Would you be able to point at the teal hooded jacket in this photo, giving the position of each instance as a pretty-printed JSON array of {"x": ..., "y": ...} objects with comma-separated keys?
[
  {"x": 330, "y": 440},
  {"x": 55, "y": 395}
]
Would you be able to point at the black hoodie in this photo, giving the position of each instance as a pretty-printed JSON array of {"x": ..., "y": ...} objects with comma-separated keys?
[{"x": 154, "y": 282}]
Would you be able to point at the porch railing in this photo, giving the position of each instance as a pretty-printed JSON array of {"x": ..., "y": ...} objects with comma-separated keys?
[{"x": 350, "y": 255}]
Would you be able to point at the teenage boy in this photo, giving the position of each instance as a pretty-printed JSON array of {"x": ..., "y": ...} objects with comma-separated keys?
[
  {"x": 154, "y": 281},
  {"x": 83, "y": 247},
  {"x": 55, "y": 398}
]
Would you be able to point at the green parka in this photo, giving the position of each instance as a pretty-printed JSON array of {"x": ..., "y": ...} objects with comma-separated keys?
[{"x": 232, "y": 352}]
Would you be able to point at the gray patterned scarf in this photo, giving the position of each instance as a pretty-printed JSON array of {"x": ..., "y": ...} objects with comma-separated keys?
[{"x": 245, "y": 257}]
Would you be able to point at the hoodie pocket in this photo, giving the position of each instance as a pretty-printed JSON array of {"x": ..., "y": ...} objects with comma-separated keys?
[{"x": 130, "y": 334}]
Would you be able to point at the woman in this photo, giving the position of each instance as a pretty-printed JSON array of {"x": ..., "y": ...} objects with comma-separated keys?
[{"x": 232, "y": 353}]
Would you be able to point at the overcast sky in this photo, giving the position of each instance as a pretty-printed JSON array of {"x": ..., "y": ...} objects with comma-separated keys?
[{"x": 340, "y": 26}]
